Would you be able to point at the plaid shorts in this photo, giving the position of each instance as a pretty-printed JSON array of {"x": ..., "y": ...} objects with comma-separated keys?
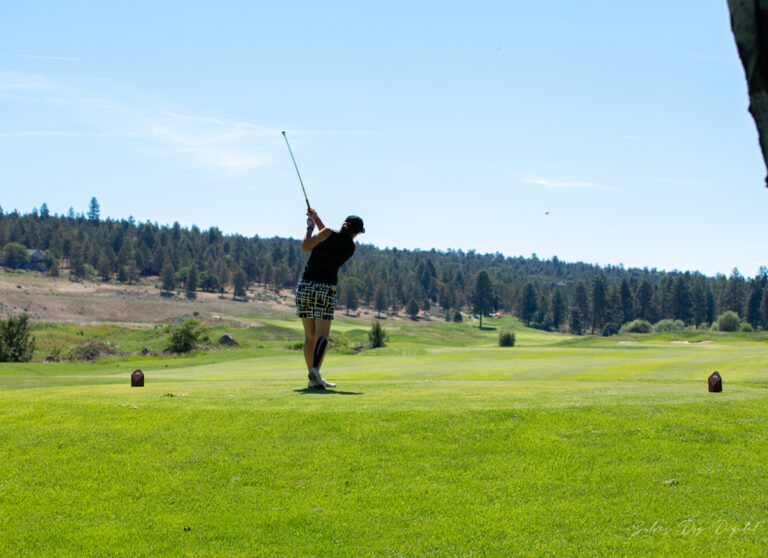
[{"x": 315, "y": 300}]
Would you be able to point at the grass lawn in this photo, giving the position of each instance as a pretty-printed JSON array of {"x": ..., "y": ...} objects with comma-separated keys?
[{"x": 439, "y": 444}]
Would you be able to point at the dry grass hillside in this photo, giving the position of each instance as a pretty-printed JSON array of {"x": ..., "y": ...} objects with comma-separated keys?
[
  {"x": 61, "y": 300},
  {"x": 57, "y": 299}
]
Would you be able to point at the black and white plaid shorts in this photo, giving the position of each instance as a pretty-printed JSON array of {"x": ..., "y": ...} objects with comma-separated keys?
[{"x": 315, "y": 300}]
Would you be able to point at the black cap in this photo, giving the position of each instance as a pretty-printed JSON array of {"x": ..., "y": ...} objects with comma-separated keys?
[{"x": 355, "y": 224}]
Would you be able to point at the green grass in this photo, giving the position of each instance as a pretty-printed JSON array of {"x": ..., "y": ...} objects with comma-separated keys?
[{"x": 439, "y": 444}]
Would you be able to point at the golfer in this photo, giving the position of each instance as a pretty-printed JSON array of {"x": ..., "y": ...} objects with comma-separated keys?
[{"x": 316, "y": 293}]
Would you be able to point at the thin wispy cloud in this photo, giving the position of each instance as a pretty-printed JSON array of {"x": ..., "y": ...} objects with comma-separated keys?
[
  {"x": 14, "y": 81},
  {"x": 264, "y": 130},
  {"x": 190, "y": 141},
  {"x": 55, "y": 134},
  {"x": 231, "y": 146},
  {"x": 224, "y": 123},
  {"x": 673, "y": 181},
  {"x": 556, "y": 184},
  {"x": 56, "y": 58}
]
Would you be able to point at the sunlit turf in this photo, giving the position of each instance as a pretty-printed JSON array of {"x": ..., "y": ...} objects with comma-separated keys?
[{"x": 440, "y": 444}]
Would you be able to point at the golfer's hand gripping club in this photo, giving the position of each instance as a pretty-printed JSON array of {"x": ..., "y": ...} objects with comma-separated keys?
[{"x": 312, "y": 218}]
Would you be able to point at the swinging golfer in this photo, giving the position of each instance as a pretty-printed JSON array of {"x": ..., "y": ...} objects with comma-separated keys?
[{"x": 316, "y": 293}]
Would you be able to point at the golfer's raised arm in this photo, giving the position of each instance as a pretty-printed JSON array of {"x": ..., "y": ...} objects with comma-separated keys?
[
  {"x": 316, "y": 218},
  {"x": 323, "y": 233}
]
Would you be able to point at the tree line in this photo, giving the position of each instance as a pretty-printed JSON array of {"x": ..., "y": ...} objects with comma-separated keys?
[{"x": 550, "y": 294}]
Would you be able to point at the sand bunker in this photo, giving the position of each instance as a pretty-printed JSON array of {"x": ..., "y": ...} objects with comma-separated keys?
[{"x": 676, "y": 342}]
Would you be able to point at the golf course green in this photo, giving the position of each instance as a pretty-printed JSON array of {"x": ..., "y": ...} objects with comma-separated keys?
[{"x": 442, "y": 443}]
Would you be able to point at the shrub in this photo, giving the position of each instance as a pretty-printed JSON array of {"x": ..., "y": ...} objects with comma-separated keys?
[
  {"x": 728, "y": 321},
  {"x": 746, "y": 327},
  {"x": 186, "y": 337},
  {"x": 90, "y": 351},
  {"x": 377, "y": 336},
  {"x": 15, "y": 255},
  {"x": 412, "y": 308},
  {"x": 16, "y": 341},
  {"x": 457, "y": 317},
  {"x": 637, "y": 326},
  {"x": 507, "y": 339},
  {"x": 209, "y": 282},
  {"x": 668, "y": 325}
]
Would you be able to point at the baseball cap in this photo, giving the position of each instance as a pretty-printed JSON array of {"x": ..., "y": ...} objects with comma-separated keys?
[{"x": 355, "y": 224}]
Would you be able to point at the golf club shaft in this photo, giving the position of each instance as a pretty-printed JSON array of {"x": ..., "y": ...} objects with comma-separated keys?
[{"x": 297, "y": 169}]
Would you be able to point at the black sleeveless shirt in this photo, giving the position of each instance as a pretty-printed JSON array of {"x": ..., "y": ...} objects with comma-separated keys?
[{"x": 327, "y": 257}]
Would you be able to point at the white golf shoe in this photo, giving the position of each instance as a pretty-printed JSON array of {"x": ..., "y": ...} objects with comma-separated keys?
[
  {"x": 318, "y": 380},
  {"x": 314, "y": 385}
]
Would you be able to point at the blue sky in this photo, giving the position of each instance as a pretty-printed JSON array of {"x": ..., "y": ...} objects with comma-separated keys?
[{"x": 605, "y": 132}]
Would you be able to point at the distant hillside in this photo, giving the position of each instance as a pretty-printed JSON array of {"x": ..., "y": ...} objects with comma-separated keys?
[{"x": 550, "y": 294}]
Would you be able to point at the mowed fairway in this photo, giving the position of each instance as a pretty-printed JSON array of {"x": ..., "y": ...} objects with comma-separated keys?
[{"x": 439, "y": 444}]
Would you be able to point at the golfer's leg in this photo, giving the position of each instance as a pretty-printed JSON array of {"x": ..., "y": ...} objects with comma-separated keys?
[
  {"x": 309, "y": 340},
  {"x": 322, "y": 332}
]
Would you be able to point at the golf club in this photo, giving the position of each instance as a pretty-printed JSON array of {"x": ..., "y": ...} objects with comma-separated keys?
[{"x": 296, "y": 167}]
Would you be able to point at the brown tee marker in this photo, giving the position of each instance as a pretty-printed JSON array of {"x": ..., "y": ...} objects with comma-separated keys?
[
  {"x": 137, "y": 378},
  {"x": 715, "y": 382}
]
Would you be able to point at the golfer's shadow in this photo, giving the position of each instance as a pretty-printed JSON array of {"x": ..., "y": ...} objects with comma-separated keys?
[{"x": 315, "y": 391}]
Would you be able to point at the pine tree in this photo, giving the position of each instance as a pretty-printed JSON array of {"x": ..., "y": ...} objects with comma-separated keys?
[
  {"x": 104, "y": 268},
  {"x": 239, "y": 283},
  {"x": 753, "y": 303},
  {"x": 542, "y": 317},
  {"x": 528, "y": 303},
  {"x": 699, "y": 298},
  {"x": 614, "y": 312},
  {"x": 394, "y": 302},
  {"x": 579, "y": 308},
  {"x": 482, "y": 295},
  {"x": 158, "y": 259},
  {"x": 53, "y": 270},
  {"x": 626, "y": 302},
  {"x": 222, "y": 272},
  {"x": 735, "y": 293},
  {"x": 267, "y": 275},
  {"x": 599, "y": 302},
  {"x": 192, "y": 278},
  {"x": 558, "y": 309},
  {"x": 380, "y": 300},
  {"x": 350, "y": 297},
  {"x": 377, "y": 336},
  {"x": 168, "y": 276},
  {"x": 279, "y": 276},
  {"x": 77, "y": 269},
  {"x": 94, "y": 211},
  {"x": 683, "y": 300},
  {"x": 412, "y": 308},
  {"x": 764, "y": 309},
  {"x": 644, "y": 300}
]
